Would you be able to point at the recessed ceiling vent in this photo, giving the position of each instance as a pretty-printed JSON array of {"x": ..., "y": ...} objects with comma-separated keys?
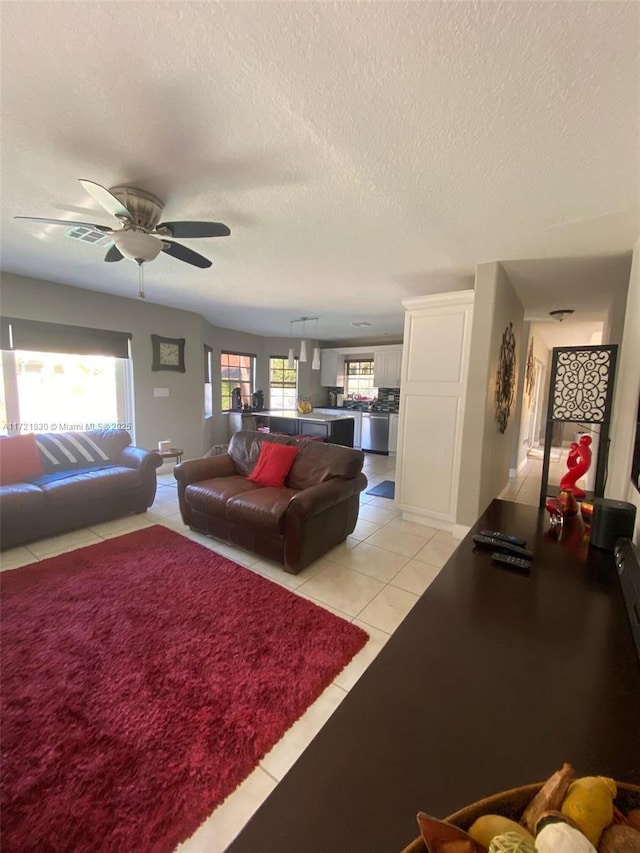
[
  {"x": 360, "y": 323},
  {"x": 88, "y": 235}
]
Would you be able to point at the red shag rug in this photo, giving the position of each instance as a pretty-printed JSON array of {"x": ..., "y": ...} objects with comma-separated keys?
[{"x": 143, "y": 678}]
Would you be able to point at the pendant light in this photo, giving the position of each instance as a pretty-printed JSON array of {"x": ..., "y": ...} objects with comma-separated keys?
[
  {"x": 291, "y": 360},
  {"x": 303, "y": 343},
  {"x": 315, "y": 364}
]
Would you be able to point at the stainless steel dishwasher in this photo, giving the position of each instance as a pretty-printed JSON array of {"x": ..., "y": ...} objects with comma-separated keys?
[{"x": 375, "y": 432}]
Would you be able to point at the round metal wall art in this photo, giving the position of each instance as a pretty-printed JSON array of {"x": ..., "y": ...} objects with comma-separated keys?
[{"x": 505, "y": 380}]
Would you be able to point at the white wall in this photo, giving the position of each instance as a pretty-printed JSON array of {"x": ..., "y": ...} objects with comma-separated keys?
[
  {"x": 625, "y": 404},
  {"x": 541, "y": 353},
  {"x": 486, "y": 452}
]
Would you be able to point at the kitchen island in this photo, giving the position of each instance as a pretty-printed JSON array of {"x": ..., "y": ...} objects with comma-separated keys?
[
  {"x": 493, "y": 680},
  {"x": 336, "y": 429}
]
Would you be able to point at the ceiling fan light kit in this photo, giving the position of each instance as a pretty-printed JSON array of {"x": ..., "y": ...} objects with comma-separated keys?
[
  {"x": 137, "y": 246},
  {"x": 141, "y": 236}
]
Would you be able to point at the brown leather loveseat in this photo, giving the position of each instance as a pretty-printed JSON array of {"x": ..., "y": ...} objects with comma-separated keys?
[
  {"x": 82, "y": 478},
  {"x": 315, "y": 510}
]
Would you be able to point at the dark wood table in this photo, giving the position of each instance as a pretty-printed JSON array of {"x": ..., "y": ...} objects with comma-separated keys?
[
  {"x": 175, "y": 453},
  {"x": 492, "y": 681}
]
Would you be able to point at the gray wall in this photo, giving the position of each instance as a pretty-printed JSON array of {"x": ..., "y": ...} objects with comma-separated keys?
[
  {"x": 486, "y": 452},
  {"x": 625, "y": 404},
  {"x": 179, "y": 417}
]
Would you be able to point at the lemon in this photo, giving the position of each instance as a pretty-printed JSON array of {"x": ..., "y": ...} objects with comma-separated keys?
[{"x": 589, "y": 803}]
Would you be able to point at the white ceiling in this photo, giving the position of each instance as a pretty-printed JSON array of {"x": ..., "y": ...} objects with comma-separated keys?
[{"x": 360, "y": 153}]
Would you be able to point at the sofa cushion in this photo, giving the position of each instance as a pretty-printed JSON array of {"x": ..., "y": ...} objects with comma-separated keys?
[
  {"x": 273, "y": 465},
  {"x": 317, "y": 463},
  {"x": 19, "y": 458},
  {"x": 69, "y": 450},
  {"x": 262, "y": 510},
  {"x": 19, "y": 500},
  {"x": 92, "y": 484},
  {"x": 67, "y": 474},
  {"x": 211, "y": 496}
]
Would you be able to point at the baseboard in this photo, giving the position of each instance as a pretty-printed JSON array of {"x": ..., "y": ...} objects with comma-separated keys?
[{"x": 458, "y": 531}]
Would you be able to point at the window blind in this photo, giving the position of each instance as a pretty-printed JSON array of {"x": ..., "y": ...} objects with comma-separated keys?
[{"x": 35, "y": 336}]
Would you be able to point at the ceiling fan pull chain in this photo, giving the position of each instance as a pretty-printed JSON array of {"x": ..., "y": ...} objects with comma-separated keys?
[{"x": 140, "y": 281}]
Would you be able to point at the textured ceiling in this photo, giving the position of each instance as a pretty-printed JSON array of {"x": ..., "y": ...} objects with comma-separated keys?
[{"x": 360, "y": 153}]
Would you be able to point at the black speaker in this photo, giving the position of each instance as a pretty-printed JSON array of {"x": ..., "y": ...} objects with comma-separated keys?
[{"x": 612, "y": 520}]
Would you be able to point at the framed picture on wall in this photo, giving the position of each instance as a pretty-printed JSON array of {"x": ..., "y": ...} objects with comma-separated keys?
[{"x": 168, "y": 353}]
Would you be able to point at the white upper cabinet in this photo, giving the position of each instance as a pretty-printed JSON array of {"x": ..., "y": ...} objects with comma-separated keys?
[
  {"x": 387, "y": 366},
  {"x": 332, "y": 368}
]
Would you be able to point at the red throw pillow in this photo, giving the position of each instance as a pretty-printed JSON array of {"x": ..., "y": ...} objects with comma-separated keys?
[
  {"x": 273, "y": 465},
  {"x": 19, "y": 458}
]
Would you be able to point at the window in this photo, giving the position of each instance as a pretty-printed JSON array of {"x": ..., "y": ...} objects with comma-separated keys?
[
  {"x": 237, "y": 371},
  {"x": 283, "y": 383},
  {"x": 208, "y": 381},
  {"x": 359, "y": 380},
  {"x": 54, "y": 392},
  {"x": 58, "y": 377}
]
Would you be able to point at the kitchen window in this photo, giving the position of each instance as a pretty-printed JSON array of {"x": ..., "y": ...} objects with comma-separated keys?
[
  {"x": 283, "y": 383},
  {"x": 358, "y": 380},
  {"x": 238, "y": 370}
]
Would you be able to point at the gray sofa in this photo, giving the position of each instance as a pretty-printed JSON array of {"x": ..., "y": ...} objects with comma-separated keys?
[{"x": 75, "y": 491}]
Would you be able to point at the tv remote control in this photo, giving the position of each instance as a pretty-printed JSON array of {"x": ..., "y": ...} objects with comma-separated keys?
[
  {"x": 516, "y": 563},
  {"x": 503, "y": 547},
  {"x": 495, "y": 534}
]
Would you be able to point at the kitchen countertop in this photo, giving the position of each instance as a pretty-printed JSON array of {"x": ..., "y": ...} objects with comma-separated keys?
[{"x": 296, "y": 416}]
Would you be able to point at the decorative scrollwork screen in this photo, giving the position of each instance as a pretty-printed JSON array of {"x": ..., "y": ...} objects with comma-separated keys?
[
  {"x": 581, "y": 383},
  {"x": 581, "y": 391}
]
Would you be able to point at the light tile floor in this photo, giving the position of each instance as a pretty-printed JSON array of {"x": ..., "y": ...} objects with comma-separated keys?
[
  {"x": 373, "y": 580},
  {"x": 525, "y": 487}
]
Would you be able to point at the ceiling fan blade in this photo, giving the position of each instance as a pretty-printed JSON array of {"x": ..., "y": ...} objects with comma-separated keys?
[
  {"x": 68, "y": 222},
  {"x": 196, "y": 229},
  {"x": 183, "y": 254},
  {"x": 106, "y": 199},
  {"x": 114, "y": 254}
]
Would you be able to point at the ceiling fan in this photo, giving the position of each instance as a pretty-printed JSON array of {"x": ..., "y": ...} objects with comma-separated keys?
[{"x": 142, "y": 236}]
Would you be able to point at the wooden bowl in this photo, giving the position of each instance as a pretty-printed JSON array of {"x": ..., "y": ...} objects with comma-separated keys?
[{"x": 512, "y": 804}]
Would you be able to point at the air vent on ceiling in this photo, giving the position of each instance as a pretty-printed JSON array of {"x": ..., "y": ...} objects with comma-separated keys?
[
  {"x": 360, "y": 323},
  {"x": 88, "y": 235}
]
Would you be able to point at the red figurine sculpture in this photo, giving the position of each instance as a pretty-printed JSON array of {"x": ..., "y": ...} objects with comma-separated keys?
[{"x": 578, "y": 463}]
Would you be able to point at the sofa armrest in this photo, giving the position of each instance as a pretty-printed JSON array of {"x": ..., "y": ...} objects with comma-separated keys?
[
  {"x": 138, "y": 457},
  {"x": 317, "y": 499},
  {"x": 206, "y": 468}
]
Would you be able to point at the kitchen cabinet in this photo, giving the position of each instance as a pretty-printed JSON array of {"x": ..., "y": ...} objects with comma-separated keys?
[
  {"x": 241, "y": 420},
  {"x": 332, "y": 368},
  {"x": 393, "y": 432},
  {"x": 357, "y": 422},
  {"x": 336, "y": 427},
  {"x": 387, "y": 366}
]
